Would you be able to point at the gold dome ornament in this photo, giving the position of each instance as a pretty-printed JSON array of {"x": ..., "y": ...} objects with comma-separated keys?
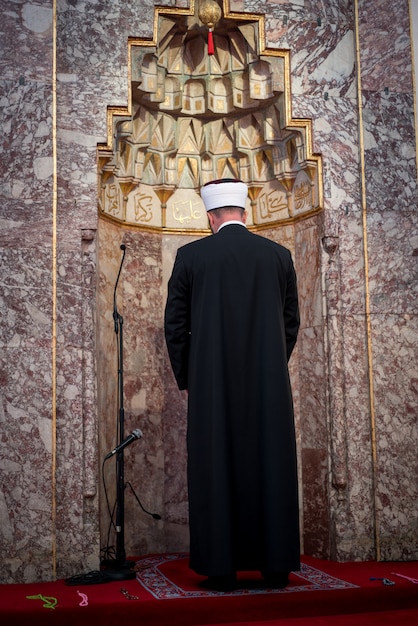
[{"x": 210, "y": 13}]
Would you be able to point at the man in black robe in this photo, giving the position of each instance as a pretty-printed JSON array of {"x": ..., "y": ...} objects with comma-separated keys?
[{"x": 231, "y": 323}]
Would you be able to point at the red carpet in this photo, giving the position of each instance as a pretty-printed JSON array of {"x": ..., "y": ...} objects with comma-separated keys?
[{"x": 167, "y": 593}]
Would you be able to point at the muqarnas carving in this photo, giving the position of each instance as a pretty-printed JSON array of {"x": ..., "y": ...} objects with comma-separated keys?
[{"x": 195, "y": 117}]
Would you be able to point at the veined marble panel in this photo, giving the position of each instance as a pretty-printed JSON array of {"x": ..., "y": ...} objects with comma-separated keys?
[
  {"x": 174, "y": 427},
  {"x": 393, "y": 257},
  {"x": 330, "y": 70},
  {"x": 308, "y": 235},
  {"x": 26, "y": 151},
  {"x": 310, "y": 9},
  {"x": 392, "y": 230},
  {"x": 139, "y": 300},
  {"x": 316, "y": 530},
  {"x": 389, "y": 144},
  {"x": 26, "y": 297},
  {"x": 311, "y": 393},
  {"x": 385, "y": 54},
  {"x": 78, "y": 179},
  {"x": 109, "y": 239},
  {"x": 25, "y": 460},
  {"x": 27, "y": 27},
  {"x": 353, "y": 492},
  {"x": 335, "y": 136},
  {"x": 311, "y": 390},
  {"x": 77, "y": 476},
  {"x": 18, "y": 219},
  {"x": 93, "y": 37},
  {"x": 395, "y": 367},
  {"x": 335, "y": 130},
  {"x": 82, "y": 104}
]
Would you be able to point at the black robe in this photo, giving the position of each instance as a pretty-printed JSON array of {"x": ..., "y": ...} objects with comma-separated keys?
[{"x": 231, "y": 323}]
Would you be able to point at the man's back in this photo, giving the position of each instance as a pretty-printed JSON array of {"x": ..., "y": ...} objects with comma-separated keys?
[
  {"x": 231, "y": 323},
  {"x": 241, "y": 282}
]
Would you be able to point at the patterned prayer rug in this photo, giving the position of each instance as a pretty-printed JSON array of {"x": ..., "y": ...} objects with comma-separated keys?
[{"x": 167, "y": 576}]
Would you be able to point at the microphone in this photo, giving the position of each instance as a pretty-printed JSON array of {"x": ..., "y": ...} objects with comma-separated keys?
[{"x": 135, "y": 434}]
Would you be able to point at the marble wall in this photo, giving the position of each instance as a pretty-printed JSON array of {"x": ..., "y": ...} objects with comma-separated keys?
[
  {"x": 354, "y": 371},
  {"x": 391, "y": 226}
]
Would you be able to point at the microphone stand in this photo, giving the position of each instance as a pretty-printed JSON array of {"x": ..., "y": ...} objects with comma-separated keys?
[{"x": 120, "y": 567}]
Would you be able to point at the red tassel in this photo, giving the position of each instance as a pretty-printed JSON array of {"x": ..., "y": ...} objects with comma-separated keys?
[{"x": 211, "y": 46}]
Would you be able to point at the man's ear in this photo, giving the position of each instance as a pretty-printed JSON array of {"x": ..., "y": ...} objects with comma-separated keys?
[
  {"x": 211, "y": 218},
  {"x": 244, "y": 217}
]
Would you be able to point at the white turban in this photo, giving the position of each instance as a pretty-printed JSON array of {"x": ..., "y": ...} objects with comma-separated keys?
[{"x": 224, "y": 192}]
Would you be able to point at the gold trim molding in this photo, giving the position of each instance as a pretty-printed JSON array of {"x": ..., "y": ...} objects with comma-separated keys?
[{"x": 376, "y": 518}]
